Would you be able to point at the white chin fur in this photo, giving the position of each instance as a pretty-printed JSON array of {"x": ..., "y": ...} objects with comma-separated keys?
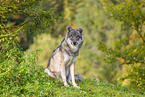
[{"x": 73, "y": 47}]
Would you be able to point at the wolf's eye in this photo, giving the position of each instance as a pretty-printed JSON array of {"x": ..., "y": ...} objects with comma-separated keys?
[
  {"x": 71, "y": 36},
  {"x": 77, "y": 36}
]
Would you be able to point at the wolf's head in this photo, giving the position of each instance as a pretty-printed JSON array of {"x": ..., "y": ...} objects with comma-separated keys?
[{"x": 74, "y": 36}]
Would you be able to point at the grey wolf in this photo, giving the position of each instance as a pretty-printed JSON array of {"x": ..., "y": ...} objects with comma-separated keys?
[{"x": 62, "y": 61}]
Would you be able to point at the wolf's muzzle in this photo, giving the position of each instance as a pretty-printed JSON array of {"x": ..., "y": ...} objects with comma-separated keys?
[{"x": 74, "y": 43}]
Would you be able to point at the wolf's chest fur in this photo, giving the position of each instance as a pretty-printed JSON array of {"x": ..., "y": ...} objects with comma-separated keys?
[{"x": 68, "y": 60}]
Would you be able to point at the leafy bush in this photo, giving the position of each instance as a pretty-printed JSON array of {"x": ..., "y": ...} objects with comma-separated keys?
[
  {"x": 132, "y": 75},
  {"x": 19, "y": 79},
  {"x": 18, "y": 74},
  {"x": 129, "y": 50},
  {"x": 17, "y": 19}
]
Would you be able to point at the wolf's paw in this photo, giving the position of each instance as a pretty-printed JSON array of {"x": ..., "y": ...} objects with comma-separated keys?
[
  {"x": 75, "y": 85},
  {"x": 69, "y": 81},
  {"x": 65, "y": 84}
]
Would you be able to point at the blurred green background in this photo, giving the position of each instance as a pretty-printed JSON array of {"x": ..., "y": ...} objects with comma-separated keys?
[{"x": 97, "y": 23}]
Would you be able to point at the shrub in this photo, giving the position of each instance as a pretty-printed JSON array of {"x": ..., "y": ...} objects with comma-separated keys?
[
  {"x": 129, "y": 50},
  {"x": 25, "y": 78}
]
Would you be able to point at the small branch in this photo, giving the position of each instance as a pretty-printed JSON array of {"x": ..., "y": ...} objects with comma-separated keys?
[
  {"x": 5, "y": 28},
  {"x": 2, "y": 36},
  {"x": 139, "y": 32},
  {"x": 22, "y": 23}
]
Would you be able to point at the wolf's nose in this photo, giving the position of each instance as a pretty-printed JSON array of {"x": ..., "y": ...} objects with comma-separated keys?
[{"x": 74, "y": 43}]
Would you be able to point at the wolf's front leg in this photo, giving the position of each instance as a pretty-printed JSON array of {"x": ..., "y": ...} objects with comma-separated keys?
[
  {"x": 63, "y": 74},
  {"x": 68, "y": 76},
  {"x": 72, "y": 76}
]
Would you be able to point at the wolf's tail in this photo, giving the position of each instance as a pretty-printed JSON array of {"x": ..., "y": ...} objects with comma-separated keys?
[
  {"x": 49, "y": 73},
  {"x": 78, "y": 77}
]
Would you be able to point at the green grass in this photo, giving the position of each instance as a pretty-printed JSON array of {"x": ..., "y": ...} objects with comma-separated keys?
[{"x": 90, "y": 87}]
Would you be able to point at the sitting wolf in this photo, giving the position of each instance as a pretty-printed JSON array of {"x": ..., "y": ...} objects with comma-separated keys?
[{"x": 62, "y": 61}]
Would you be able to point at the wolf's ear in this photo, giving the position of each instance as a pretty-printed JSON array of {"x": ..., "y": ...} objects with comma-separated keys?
[
  {"x": 69, "y": 29},
  {"x": 80, "y": 30}
]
